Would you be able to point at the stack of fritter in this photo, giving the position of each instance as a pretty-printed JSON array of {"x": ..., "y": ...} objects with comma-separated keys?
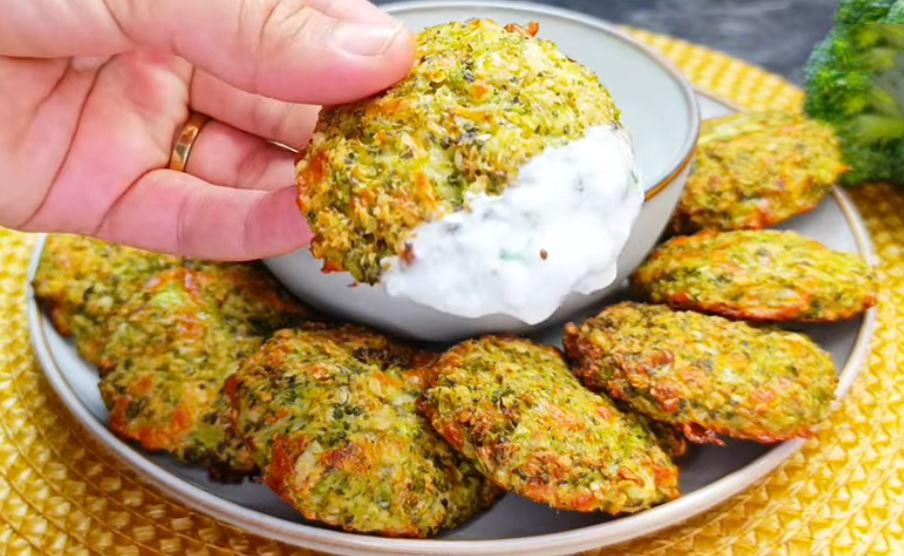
[
  {"x": 325, "y": 413},
  {"x": 165, "y": 333},
  {"x": 330, "y": 417},
  {"x": 680, "y": 364}
]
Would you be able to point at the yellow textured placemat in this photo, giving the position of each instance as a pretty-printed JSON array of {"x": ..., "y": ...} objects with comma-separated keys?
[{"x": 61, "y": 493}]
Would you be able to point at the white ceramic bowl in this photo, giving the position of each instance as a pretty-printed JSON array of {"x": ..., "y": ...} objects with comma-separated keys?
[{"x": 659, "y": 110}]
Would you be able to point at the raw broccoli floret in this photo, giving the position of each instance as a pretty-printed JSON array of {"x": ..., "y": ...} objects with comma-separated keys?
[
  {"x": 862, "y": 11},
  {"x": 896, "y": 14},
  {"x": 855, "y": 81}
]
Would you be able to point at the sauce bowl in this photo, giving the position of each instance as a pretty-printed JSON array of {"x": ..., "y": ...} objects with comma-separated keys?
[{"x": 659, "y": 110}]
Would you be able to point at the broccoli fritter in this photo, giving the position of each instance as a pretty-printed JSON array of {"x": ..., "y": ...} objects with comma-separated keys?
[
  {"x": 165, "y": 333},
  {"x": 765, "y": 276},
  {"x": 331, "y": 419},
  {"x": 480, "y": 102},
  {"x": 513, "y": 408},
  {"x": 855, "y": 82},
  {"x": 171, "y": 347},
  {"x": 708, "y": 375},
  {"x": 755, "y": 170},
  {"x": 82, "y": 282}
]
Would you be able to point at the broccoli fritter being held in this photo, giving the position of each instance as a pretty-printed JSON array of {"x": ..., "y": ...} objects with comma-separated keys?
[{"x": 481, "y": 101}]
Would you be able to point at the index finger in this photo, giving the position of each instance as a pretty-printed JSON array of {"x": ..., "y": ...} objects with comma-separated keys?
[{"x": 311, "y": 52}]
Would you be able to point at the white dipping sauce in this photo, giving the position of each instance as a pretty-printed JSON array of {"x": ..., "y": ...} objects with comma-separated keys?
[{"x": 557, "y": 229}]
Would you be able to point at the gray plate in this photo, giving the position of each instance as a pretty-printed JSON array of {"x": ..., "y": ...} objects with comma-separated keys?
[{"x": 514, "y": 526}]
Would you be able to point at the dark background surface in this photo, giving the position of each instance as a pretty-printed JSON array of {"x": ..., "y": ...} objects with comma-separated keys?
[{"x": 775, "y": 34}]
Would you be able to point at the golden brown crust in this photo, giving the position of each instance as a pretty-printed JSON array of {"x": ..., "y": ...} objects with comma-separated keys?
[
  {"x": 762, "y": 276},
  {"x": 705, "y": 374},
  {"x": 81, "y": 282},
  {"x": 331, "y": 419},
  {"x": 513, "y": 408},
  {"x": 755, "y": 170},
  {"x": 164, "y": 332},
  {"x": 171, "y": 346}
]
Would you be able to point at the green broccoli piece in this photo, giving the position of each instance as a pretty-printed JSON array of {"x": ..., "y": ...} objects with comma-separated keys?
[
  {"x": 855, "y": 82},
  {"x": 895, "y": 14},
  {"x": 861, "y": 11}
]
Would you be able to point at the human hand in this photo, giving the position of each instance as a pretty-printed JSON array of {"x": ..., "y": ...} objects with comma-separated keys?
[{"x": 94, "y": 93}]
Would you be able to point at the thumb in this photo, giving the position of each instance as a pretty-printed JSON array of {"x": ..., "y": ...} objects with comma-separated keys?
[{"x": 312, "y": 52}]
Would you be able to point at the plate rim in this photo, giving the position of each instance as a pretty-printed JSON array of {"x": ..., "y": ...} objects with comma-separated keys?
[
  {"x": 317, "y": 538},
  {"x": 339, "y": 542}
]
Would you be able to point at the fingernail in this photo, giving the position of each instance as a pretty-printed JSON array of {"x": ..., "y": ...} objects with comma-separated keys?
[{"x": 366, "y": 39}]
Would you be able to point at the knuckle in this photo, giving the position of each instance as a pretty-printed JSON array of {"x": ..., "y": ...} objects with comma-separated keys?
[
  {"x": 263, "y": 119},
  {"x": 253, "y": 165}
]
